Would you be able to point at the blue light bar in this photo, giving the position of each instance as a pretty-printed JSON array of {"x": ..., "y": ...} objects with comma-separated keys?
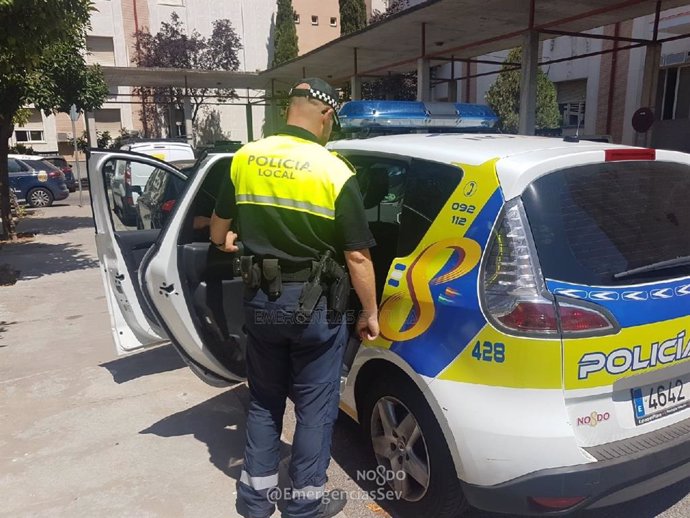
[{"x": 390, "y": 115}]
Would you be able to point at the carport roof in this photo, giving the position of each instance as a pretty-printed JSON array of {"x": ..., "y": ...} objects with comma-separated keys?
[
  {"x": 454, "y": 28},
  {"x": 436, "y": 29},
  {"x": 151, "y": 77}
]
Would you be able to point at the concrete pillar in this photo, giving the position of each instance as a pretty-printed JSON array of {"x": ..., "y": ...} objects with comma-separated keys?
[
  {"x": 189, "y": 128},
  {"x": 650, "y": 85},
  {"x": 250, "y": 122},
  {"x": 423, "y": 80},
  {"x": 90, "y": 120},
  {"x": 453, "y": 91},
  {"x": 528, "y": 83},
  {"x": 356, "y": 88}
]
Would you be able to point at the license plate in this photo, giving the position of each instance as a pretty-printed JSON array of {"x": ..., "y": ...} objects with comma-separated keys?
[{"x": 657, "y": 400}]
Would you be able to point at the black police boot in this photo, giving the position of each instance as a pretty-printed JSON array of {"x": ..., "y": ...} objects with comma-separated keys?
[{"x": 333, "y": 502}]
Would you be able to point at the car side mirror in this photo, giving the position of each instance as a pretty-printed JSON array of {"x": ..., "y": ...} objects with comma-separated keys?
[{"x": 137, "y": 189}]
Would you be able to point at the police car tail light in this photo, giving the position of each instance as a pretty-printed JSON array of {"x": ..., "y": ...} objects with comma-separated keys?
[
  {"x": 514, "y": 295},
  {"x": 513, "y": 291},
  {"x": 576, "y": 319}
]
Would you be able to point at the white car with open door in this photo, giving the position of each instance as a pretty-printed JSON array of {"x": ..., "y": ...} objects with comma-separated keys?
[{"x": 534, "y": 355}]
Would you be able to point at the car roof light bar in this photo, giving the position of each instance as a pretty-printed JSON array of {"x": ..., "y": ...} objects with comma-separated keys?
[{"x": 362, "y": 115}]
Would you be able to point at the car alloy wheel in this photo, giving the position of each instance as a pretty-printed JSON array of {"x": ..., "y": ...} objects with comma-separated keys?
[
  {"x": 400, "y": 448},
  {"x": 40, "y": 198}
]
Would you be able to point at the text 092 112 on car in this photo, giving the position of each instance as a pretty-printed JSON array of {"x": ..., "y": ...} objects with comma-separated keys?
[{"x": 534, "y": 322}]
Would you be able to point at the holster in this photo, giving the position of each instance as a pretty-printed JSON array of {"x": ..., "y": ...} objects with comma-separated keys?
[
  {"x": 339, "y": 289},
  {"x": 251, "y": 271},
  {"x": 272, "y": 281}
]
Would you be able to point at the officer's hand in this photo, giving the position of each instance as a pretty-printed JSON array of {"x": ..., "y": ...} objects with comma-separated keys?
[
  {"x": 230, "y": 245},
  {"x": 367, "y": 326}
]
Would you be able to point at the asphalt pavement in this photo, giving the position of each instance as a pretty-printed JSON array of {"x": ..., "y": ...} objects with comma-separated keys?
[{"x": 84, "y": 433}]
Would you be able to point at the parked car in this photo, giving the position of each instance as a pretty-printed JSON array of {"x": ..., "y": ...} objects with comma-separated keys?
[
  {"x": 535, "y": 327},
  {"x": 60, "y": 162},
  {"x": 128, "y": 179},
  {"x": 160, "y": 194},
  {"x": 35, "y": 181}
]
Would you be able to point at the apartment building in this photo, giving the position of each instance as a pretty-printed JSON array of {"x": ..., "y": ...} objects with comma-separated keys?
[
  {"x": 111, "y": 43},
  {"x": 317, "y": 22}
]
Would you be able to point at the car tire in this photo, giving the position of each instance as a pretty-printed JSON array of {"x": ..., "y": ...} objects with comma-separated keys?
[
  {"x": 39, "y": 198},
  {"x": 395, "y": 453}
]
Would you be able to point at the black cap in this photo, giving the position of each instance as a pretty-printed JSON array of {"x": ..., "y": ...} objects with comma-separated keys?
[{"x": 320, "y": 90}]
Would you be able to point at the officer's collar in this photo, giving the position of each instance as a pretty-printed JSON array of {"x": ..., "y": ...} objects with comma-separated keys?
[{"x": 296, "y": 131}]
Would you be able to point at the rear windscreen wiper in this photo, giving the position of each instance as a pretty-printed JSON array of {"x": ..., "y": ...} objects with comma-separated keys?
[{"x": 661, "y": 265}]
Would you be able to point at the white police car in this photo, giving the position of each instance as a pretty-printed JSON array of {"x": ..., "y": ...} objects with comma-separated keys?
[{"x": 535, "y": 310}]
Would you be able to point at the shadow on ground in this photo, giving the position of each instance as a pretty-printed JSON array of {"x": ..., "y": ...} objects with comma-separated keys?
[
  {"x": 34, "y": 260},
  {"x": 218, "y": 422},
  {"x": 352, "y": 452},
  {"x": 48, "y": 226},
  {"x": 145, "y": 363}
]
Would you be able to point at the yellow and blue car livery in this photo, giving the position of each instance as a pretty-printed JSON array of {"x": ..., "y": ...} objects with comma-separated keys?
[{"x": 535, "y": 423}]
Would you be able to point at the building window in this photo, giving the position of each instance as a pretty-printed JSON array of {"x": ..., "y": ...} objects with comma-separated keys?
[
  {"x": 571, "y": 97},
  {"x": 100, "y": 50},
  {"x": 334, "y": 21},
  {"x": 314, "y": 20},
  {"x": 32, "y": 129},
  {"x": 28, "y": 136},
  {"x": 572, "y": 114},
  {"x": 673, "y": 101},
  {"x": 296, "y": 17},
  {"x": 109, "y": 120}
]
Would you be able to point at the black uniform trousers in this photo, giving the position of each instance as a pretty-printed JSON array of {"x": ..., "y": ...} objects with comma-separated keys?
[{"x": 287, "y": 357}]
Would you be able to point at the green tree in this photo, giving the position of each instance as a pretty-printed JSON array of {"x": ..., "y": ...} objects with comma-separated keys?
[
  {"x": 353, "y": 16},
  {"x": 504, "y": 97},
  {"x": 172, "y": 47},
  {"x": 394, "y": 7},
  {"x": 285, "y": 42},
  {"x": 46, "y": 69}
]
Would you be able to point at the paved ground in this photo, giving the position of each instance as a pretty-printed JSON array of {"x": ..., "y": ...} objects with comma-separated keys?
[{"x": 84, "y": 433}]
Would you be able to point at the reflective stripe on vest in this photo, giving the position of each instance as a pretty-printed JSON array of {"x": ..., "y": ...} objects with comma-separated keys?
[{"x": 290, "y": 173}]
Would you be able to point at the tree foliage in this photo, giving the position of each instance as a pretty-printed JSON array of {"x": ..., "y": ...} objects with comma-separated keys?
[
  {"x": 504, "y": 97},
  {"x": 353, "y": 16},
  {"x": 394, "y": 7},
  {"x": 42, "y": 48},
  {"x": 172, "y": 47},
  {"x": 285, "y": 43}
]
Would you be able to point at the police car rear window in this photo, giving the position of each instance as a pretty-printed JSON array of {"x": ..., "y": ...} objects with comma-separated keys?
[{"x": 591, "y": 223}]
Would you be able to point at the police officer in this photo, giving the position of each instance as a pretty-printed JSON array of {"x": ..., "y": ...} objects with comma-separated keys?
[{"x": 295, "y": 202}]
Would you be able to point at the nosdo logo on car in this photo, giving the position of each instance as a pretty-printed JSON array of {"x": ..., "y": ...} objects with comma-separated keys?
[{"x": 634, "y": 359}]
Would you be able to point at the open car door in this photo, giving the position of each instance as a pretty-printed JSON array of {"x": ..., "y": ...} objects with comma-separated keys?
[
  {"x": 121, "y": 249},
  {"x": 155, "y": 278}
]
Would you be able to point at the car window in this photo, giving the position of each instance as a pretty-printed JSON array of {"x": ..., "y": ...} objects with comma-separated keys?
[
  {"x": 592, "y": 222},
  {"x": 381, "y": 181},
  {"x": 428, "y": 187},
  {"x": 39, "y": 165},
  {"x": 138, "y": 195},
  {"x": 14, "y": 166}
]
